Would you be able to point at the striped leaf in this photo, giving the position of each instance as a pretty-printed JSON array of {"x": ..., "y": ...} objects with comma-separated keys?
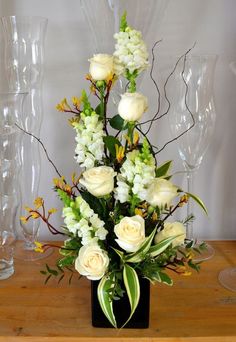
[
  {"x": 121, "y": 254},
  {"x": 142, "y": 251},
  {"x": 132, "y": 287},
  {"x": 105, "y": 302},
  {"x": 161, "y": 246},
  {"x": 199, "y": 201},
  {"x": 163, "y": 169}
]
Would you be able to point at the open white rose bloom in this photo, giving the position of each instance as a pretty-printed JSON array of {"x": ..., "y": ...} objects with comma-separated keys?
[{"x": 118, "y": 211}]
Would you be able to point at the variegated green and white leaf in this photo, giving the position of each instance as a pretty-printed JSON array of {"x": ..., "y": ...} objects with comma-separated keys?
[
  {"x": 121, "y": 254},
  {"x": 105, "y": 302},
  {"x": 163, "y": 169},
  {"x": 139, "y": 255},
  {"x": 132, "y": 287},
  {"x": 199, "y": 201},
  {"x": 161, "y": 246}
]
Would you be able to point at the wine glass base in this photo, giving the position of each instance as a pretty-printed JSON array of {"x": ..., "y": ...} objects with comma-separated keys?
[
  {"x": 29, "y": 254},
  {"x": 206, "y": 254},
  {"x": 227, "y": 278}
]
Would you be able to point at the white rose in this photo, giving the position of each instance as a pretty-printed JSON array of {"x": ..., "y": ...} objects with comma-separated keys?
[
  {"x": 130, "y": 232},
  {"x": 92, "y": 262},
  {"x": 172, "y": 229},
  {"x": 132, "y": 106},
  {"x": 161, "y": 192},
  {"x": 99, "y": 181},
  {"x": 101, "y": 66}
]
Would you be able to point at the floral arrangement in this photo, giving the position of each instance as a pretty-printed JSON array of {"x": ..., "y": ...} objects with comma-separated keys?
[{"x": 117, "y": 212}]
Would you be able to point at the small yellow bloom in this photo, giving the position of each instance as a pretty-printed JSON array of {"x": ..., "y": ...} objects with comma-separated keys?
[
  {"x": 186, "y": 273},
  {"x": 138, "y": 211},
  {"x": 93, "y": 89},
  {"x": 23, "y": 219},
  {"x": 88, "y": 77},
  {"x": 63, "y": 106},
  {"x": 154, "y": 216},
  {"x": 120, "y": 152},
  {"x": 73, "y": 121},
  {"x": 183, "y": 200},
  {"x": 38, "y": 202},
  {"x": 52, "y": 210},
  {"x": 34, "y": 214},
  {"x": 28, "y": 209},
  {"x": 128, "y": 139},
  {"x": 39, "y": 247},
  {"x": 76, "y": 101},
  {"x": 136, "y": 138}
]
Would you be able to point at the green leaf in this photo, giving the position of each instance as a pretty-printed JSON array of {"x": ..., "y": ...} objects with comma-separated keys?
[
  {"x": 51, "y": 271},
  {"x": 67, "y": 261},
  {"x": 121, "y": 254},
  {"x": 110, "y": 143},
  {"x": 163, "y": 169},
  {"x": 164, "y": 278},
  {"x": 118, "y": 123},
  {"x": 161, "y": 246},
  {"x": 139, "y": 255},
  {"x": 104, "y": 300},
  {"x": 123, "y": 22},
  {"x": 64, "y": 197},
  {"x": 132, "y": 287},
  {"x": 199, "y": 201}
]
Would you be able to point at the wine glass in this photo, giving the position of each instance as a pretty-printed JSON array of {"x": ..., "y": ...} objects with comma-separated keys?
[
  {"x": 192, "y": 120},
  {"x": 227, "y": 277}
]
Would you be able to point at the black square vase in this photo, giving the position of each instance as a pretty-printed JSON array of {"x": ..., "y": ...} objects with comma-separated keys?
[{"x": 121, "y": 308}]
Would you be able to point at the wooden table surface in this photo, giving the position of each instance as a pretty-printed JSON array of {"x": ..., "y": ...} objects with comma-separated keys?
[{"x": 196, "y": 308}]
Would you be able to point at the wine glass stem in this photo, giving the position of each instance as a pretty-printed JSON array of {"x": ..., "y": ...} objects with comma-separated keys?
[{"x": 190, "y": 234}]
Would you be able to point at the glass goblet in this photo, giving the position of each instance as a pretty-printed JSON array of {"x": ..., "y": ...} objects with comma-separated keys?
[{"x": 192, "y": 120}]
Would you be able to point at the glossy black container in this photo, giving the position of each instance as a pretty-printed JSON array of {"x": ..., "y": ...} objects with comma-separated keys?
[{"x": 121, "y": 308}]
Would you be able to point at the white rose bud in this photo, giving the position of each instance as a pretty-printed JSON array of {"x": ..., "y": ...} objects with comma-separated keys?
[
  {"x": 101, "y": 66},
  {"x": 99, "y": 181},
  {"x": 132, "y": 106},
  {"x": 172, "y": 229},
  {"x": 161, "y": 192},
  {"x": 130, "y": 232},
  {"x": 92, "y": 262}
]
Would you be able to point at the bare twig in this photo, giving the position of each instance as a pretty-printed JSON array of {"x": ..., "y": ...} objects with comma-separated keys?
[
  {"x": 41, "y": 143},
  {"x": 186, "y": 104}
]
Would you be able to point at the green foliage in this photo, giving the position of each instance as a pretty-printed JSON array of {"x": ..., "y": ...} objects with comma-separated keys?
[
  {"x": 132, "y": 287},
  {"x": 123, "y": 22},
  {"x": 110, "y": 143},
  {"x": 163, "y": 169},
  {"x": 198, "y": 201},
  {"x": 87, "y": 109},
  {"x": 118, "y": 123},
  {"x": 65, "y": 198}
]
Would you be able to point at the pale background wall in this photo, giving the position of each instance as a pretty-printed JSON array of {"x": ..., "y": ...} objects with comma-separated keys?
[{"x": 211, "y": 23}]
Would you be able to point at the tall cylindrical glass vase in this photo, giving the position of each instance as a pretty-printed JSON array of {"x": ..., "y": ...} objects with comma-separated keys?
[
  {"x": 10, "y": 165},
  {"x": 24, "y": 57}
]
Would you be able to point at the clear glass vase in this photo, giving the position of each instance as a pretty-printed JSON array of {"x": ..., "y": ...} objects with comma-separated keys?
[
  {"x": 10, "y": 165},
  {"x": 24, "y": 57},
  {"x": 192, "y": 120}
]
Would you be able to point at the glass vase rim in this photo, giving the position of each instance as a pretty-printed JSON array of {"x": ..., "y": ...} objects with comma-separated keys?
[{"x": 25, "y": 16}]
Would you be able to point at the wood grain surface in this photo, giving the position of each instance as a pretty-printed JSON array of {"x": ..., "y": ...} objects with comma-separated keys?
[{"x": 196, "y": 308}]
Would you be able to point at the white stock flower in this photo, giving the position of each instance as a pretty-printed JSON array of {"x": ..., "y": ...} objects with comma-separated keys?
[
  {"x": 92, "y": 261},
  {"x": 135, "y": 176},
  {"x": 130, "y": 52},
  {"x": 172, "y": 229},
  {"x": 161, "y": 192},
  {"x": 89, "y": 138},
  {"x": 99, "y": 181},
  {"x": 130, "y": 232},
  {"x": 132, "y": 106},
  {"x": 101, "y": 66},
  {"x": 82, "y": 222}
]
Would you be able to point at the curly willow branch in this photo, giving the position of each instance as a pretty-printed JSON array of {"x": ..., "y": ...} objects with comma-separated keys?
[
  {"x": 41, "y": 143},
  {"x": 156, "y": 117},
  {"x": 186, "y": 104}
]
